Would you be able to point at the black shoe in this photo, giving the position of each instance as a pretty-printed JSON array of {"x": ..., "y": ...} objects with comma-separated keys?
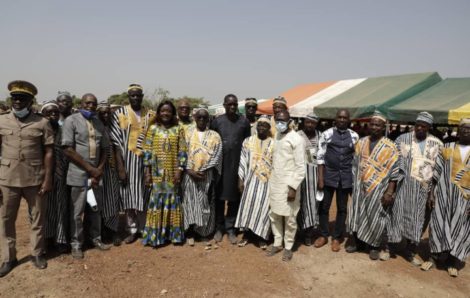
[
  {"x": 218, "y": 236},
  {"x": 7, "y": 267},
  {"x": 351, "y": 248},
  {"x": 116, "y": 240},
  {"x": 62, "y": 248},
  {"x": 374, "y": 254},
  {"x": 131, "y": 238},
  {"x": 77, "y": 253},
  {"x": 100, "y": 245},
  {"x": 232, "y": 237},
  {"x": 39, "y": 261}
]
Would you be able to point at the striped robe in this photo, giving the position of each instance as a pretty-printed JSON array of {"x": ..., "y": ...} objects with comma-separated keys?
[
  {"x": 199, "y": 196},
  {"x": 111, "y": 197},
  {"x": 450, "y": 225},
  {"x": 372, "y": 172},
  {"x": 254, "y": 170},
  {"x": 414, "y": 183},
  {"x": 127, "y": 135},
  {"x": 308, "y": 215},
  {"x": 57, "y": 214}
]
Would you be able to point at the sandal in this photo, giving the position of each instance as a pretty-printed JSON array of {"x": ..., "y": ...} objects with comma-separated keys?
[
  {"x": 428, "y": 265},
  {"x": 242, "y": 243},
  {"x": 453, "y": 271},
  {"x": 384, "y": 255},
  {"x": 287, "y": 255},
  {"x": 272, "y": 250},
  {"x": 190, "y": 241}
]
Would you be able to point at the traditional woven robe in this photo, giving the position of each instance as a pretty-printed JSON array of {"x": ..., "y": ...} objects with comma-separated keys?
[
  {"x": 288, "y": 170},
  {"x": 414, "y": 183},
  {"x": 57, "y": 226},
  {"x": 204, "y": 155},
  {"x": 255, "y": 170},
  {"x": 308, "y": 215},
  {"x": 450, "y": 224},
  {"x": 111, "y": 187},
  {"x": 372, "y": 173},
  {"x": 127, "y": 134}
]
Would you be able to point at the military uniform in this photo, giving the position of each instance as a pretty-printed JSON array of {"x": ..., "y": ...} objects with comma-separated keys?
[{"x": 21, "y": 175}]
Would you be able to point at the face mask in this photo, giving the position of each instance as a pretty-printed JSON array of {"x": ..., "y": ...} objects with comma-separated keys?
[
  {"x": 281, "y": 126},
  {"x": 20, "y": 113},
  {"x": 87, "y": 114}
]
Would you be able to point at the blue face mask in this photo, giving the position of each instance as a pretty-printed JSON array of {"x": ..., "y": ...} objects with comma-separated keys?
[
  {"x": 87, "y": 114},
  {"x": 281, "y": 126},
  {"x": 20, "y": 113}
]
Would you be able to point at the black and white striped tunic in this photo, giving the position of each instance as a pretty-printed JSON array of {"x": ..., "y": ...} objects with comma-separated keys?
[
  {"x": 308, "y": 215},
  {"x": 58, "y": 200},
  {"x": 449, "y": 227},
  {"x": 254, "y": 169},
  {"x": 414, "y": 183},
  {"x": 204, "y": 155},
  {"x": 372, "y": 172},
  {"x": 111, "y": 197},
  {"x": 134, "y": 195}
]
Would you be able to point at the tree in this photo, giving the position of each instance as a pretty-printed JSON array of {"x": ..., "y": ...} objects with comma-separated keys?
[
  {"x": 122, "y": 99},
  {"x": 194, "y": 102}
]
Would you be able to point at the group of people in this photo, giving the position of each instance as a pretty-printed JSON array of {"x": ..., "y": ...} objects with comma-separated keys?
[{"x": 177, "y": 175}]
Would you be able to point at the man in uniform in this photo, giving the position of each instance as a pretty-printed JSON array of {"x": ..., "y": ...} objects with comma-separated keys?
[{"x": 27, "y": 142}]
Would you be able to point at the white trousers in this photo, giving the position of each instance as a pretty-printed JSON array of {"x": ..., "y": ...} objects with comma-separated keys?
[{"x": 284, "y": 228}]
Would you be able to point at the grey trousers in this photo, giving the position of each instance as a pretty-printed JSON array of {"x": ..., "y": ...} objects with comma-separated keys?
[
  {"x": 83, "y": 217},
  {"x": 9, "y": 205}
]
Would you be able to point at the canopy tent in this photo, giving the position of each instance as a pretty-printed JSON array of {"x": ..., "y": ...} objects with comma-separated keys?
[
  {"x": 219, "y": 109},
  {"x": 294, "y": 96},
  {"x": 377, "y": 93},
  {"x": 448, "y": 101},
  {"x": 306, "y": 106}
]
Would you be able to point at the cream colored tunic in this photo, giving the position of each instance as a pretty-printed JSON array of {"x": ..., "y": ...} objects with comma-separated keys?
[{"x": 288, "y": 170}]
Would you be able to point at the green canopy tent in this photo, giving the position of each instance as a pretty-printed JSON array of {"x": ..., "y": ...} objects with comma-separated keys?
[
  {"x": 448, "y": 101},
  {"x": 377, "y": 93}
]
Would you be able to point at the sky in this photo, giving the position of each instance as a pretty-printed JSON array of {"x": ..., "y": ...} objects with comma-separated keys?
[{"x": 210, "y": 48}]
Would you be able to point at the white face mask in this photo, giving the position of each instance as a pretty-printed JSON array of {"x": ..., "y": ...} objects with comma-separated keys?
[
  {"x": 20, "y": 113},
  {"x": 281, "y": 126}
]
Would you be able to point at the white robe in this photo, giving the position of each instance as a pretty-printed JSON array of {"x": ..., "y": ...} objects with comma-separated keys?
[{"x": 288, "y": 170}]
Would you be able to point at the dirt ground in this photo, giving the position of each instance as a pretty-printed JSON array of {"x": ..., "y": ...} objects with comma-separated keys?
[{"x": 229, "y": 271}]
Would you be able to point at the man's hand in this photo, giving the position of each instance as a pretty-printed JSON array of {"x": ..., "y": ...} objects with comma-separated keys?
[
  {"x": 95, "y": 182},
  {"x": 148, "y": 177},
  {"x": 431, "y": 200},
  {"x": 46, "y": 187},
  {"x": 291, "y": 194},
  {"x": 198, "y": 176},
  {"x": 122, "y": 175},
  {"x": 177, "y": 178},
  {"x": 241, "y": 185},
  {"x": 387, "y": 199},
  {"x": 320, "y": 184},
  {"x": 95, "y": 172}
]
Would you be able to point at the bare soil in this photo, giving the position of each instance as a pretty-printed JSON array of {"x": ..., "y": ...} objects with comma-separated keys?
[{"x": 229, "y": 271}]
